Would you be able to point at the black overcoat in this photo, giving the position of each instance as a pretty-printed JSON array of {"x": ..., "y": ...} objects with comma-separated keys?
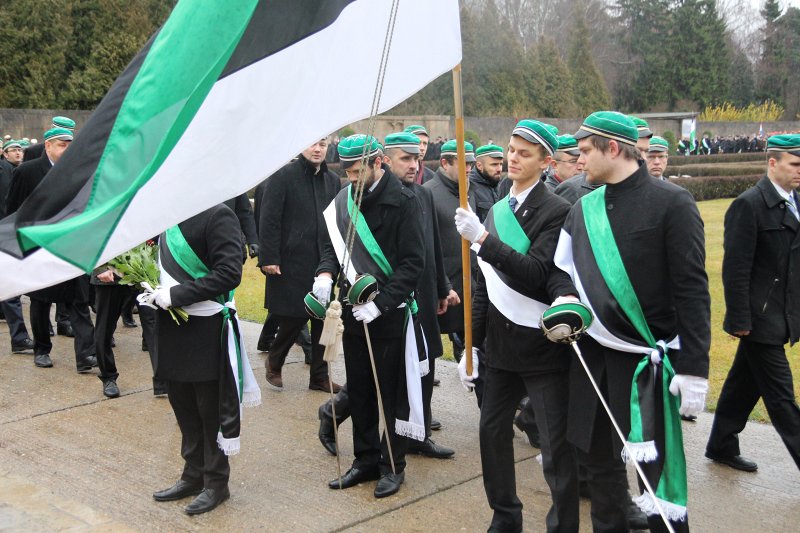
[
  {"x": 290, "y": 225},
  {"x": 760, "y": 267},
  {"x": 510, "y": 346},
  {"x": 393, "y": 215},
  {"x": 192, "y": 351},
  {"x": 445, "y": 199},
  {"x": 484, "y": 191}
]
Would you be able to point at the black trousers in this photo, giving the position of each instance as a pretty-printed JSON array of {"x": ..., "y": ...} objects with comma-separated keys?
[
  {"x": 109, "y": 300},
  {"x": 427, "y": 394},
  {"x": 147, "y": 316},
  {"x": 270, "y": 330},
  {"x": 196, "y": 407},
  {"x": 758, "y": 371},
  {"x": 371, "y": 451},
  {"x": 81, "y": 322},
  {"x": 341, "y": 401},
  {"x": 12, "y": 310},
  {"x": 548, "y": 394},
  {"x": 289, "y": 328}
]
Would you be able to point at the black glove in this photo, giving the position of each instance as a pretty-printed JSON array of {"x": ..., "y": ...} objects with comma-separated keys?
[{"x": 253, "y": 249}]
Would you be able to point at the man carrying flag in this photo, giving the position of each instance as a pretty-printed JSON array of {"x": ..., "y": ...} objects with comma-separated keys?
[
  {"x": 379, "y": 329},
  {"x": 515, "y": 254},
  {"x": 641, "y": 271}
]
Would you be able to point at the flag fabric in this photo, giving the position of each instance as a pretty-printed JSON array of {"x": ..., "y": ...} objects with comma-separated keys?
[
  {"x": 217, "y": 100},
  {"x": 693, "y": 135},
  {"x": 761, "y": 130}
]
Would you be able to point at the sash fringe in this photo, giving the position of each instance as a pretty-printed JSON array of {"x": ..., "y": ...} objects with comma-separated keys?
[
  {"x": 251, "y": 398},
  {"x": 674, "y": 512},
  {"x": 409, "y": 429},
  {"x": 643, "y": 452},
  {"x": 424, "y": 368},
  {"x": 228, "y": 446}
]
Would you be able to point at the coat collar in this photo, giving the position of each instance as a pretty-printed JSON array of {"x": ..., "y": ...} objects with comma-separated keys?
[
  {"x": 536, "y": 198},
  {"x": 775, "y": 200}
]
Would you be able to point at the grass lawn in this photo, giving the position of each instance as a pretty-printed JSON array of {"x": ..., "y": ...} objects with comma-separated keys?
[{"x": 250, "y": 299}]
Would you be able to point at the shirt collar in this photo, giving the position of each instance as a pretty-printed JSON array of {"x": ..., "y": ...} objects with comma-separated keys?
[
  {"x": 785, "y": 195},
  {"x": 522, "y": 196}
]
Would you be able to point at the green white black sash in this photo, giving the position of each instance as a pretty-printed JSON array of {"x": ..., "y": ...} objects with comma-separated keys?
[
  {"x": 505, "y": 293},
  {"x": 670, "y": 482},
  {"x": 367, "y": 257},
  {"x": 238, "y": 385}
]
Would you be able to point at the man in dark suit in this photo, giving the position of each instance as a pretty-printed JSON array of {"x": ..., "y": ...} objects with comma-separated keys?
[
  {"x": 290, "y": 224},
  {"x": 519, "y": 361},
  {"x": 424, "y": 174},
  {"x": 73, "y": 293},
  {"x": 390, "y": 220},
  {"x": 760, "y": 276},
  {"x": 192, "y": 358},
  {"x": 35, "y": 151}
]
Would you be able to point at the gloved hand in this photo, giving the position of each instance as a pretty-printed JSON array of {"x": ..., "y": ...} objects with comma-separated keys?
[
  {"x": 468, "y": 225},
  {"x": 554, "y": 332},
  {"x": 568, "y": 299},
  {"x": 162, "y": 298},
  {"x": 366, "y": 313},
  {"x": 253, "y": 250},
  {"x": 692, "y": 390},
  {"x": 468, "y": 381},
  {"x": 322, "y": 289}
]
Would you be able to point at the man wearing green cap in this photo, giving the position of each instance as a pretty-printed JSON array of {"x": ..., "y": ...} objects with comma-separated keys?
[
  {"x": 35, "y": 151},
  {"x": 424, "y": 174},
  {"x": 657, "y": 157},
  {"x": 642, "y": 273},
  {"x": 444, "y": 188},
  {"x": 485, "y": 177},
  {"x": 73, "y": 293},
  {"x": 643, "y": 128},
  {"x": 760, "y": 277},
  {"x": 388, "y": 244},
  {"x": 515, "y": 255},
  {"x": 565, "y": 162}
]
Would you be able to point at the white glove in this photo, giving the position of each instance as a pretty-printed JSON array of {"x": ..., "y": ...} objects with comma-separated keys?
[
  {"x": 366, "y": 312},
  {"x": 569, "y": 299},
  {"x": 162, "y": 298},
  {"x": 468, "y": 225},
  {"x": 322, "y": 289},
  {"x": 692, "y": 390},
  {"x": 468, "y": 381}
]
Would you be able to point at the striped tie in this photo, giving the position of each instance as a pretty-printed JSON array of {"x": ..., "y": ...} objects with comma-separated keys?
[{"x": 512, "y": 203}]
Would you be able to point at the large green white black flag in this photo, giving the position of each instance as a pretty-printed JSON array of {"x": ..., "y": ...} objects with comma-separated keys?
[{"x": 221, "y": 96}]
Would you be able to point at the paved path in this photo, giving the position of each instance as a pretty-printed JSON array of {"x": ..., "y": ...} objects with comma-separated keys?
[{"x": 71, "y": 460}]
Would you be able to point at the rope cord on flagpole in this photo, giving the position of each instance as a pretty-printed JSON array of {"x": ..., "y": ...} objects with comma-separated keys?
[{"x": 614, "y": 423}]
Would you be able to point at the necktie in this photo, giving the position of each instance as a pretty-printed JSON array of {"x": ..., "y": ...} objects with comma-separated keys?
[
  {"x": 512, "y": 203},
  {"x": 793, "y": 205}
]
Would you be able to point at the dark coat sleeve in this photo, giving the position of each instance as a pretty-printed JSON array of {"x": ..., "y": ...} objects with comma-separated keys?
[
  {"x": 224, "y": 255},
  {"x": 443, "y": 285},
  {"x": 740, "y": 238},
  {"x": 244, "y": 212},
  {"x": 685, "y": 240},
  {"x": 480, "y": 308},
  {"x": 16, "y": 193},
  {"x": 270, "y": 220}
]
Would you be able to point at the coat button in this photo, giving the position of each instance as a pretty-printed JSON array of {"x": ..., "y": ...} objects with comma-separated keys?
[{"x": 610, "y": 206}]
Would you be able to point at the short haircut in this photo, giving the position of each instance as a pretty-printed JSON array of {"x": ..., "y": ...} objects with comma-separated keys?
[
  {"x": 628, "y": 151},
  {"x": 370, "y": 161},
  {"x": 451, "y": 159}
]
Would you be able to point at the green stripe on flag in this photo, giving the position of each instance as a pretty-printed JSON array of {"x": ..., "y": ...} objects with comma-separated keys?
[{"x": 184, "y": 62}]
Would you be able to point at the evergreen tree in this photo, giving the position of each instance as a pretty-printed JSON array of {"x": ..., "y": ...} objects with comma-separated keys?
[
  {"x": 548, "y": 82},
  {"x": 589, "y": 87}
]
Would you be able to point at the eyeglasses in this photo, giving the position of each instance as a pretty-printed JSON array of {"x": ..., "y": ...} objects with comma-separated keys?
[{"x": 570, "y": 161}]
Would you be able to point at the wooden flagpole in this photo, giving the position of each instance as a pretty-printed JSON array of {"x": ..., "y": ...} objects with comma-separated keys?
[{"x": 466, "y": 269}]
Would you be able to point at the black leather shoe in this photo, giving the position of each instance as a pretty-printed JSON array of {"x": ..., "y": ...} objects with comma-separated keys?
[
  {"x": 42, "y": 360},
  {"x": 87, "y": 364},
  {"x": 144, "y": 346},
  {"x": 178, "y": 491},
  {"x": 436, "y": 382},
  {"x": 637, "y": 520},
  {"x": 110, "y": 389},
  {"x": 428, "y": 448},
  {"x": 734, "y": 461},
  {"x": 129, "y": 323},
  {"x": 389, "y": 484},
  {"x": 688, "y": 418},
  {"x": 113, "y": 342},
  {"x": 208, "y": 500},
  {"x": 326, "y": 435},
  {"x": 353, "y": 477},
  {"x": 26, "y": 346},
  {"x": 65, "y": 329},
  {"x": 435, "y": 425}
]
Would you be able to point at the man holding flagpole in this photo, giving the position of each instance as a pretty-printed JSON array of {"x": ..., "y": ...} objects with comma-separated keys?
[
  {"x": 515, "y": 247},
  {"x": 377, "y": 233},
  {"x": 642, "y": 273}
]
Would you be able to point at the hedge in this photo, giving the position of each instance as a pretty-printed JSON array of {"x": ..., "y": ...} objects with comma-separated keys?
[
  {"x": 677, "y": 160},
  {"x": 714, "y": 187},
  {"x": 713, "y": 170}
]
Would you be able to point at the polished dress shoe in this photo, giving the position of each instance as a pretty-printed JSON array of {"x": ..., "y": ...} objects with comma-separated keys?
[
  {"x": 435, "y": 425},
  {"x": 65, "y": 329},
  {"x": 353, "y": 477},
  {"x": 24, "y": 346},
  {"x": 688, "y": 418},
  {"x": 428, "y": 448},
  {"x": 326, "y": 434},
  {"x": 637, "y": 519},
  {"x": 129, "y": 323},
  {"x": 734, "y": 461},
  {"x": 208, "y": 500},
  {"x": 42, "y": 360},
  {"x": 178, "y": 491},
  {"x": 389, "y": 484},
  {"x": 87, "y": 364},
  {"x": 110, "y": 389},
  {"x": 324, "y": 386}
]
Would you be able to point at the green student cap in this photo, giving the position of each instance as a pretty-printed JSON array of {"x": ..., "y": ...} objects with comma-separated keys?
[
  {"x": 407, "y": 142},
  {"x": 537, "y": 132},
  {"x": 491, "y": 150},
  {"x": 611, "y": 125},
  {"x": 450, "y": 148}
]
